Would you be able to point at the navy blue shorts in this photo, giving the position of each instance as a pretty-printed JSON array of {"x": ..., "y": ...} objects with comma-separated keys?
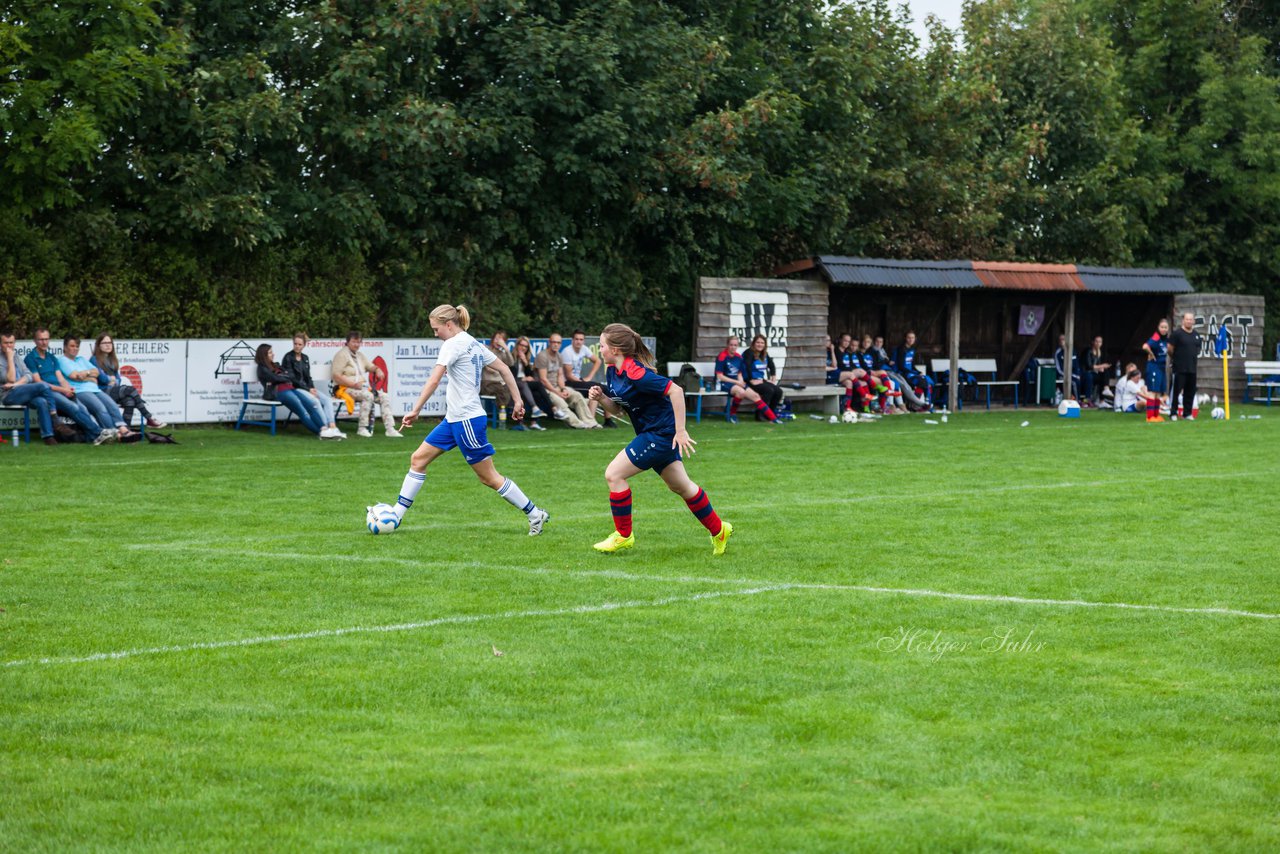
[
  {"x": 728, "y": 388},
  {"x": 1155, "y": 378},
  {"x": 652, "y": 451},
  {"x": 467, "y": 436}
]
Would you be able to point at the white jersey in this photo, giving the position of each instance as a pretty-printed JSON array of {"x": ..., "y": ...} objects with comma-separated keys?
[
  {"x": 464, "y": 358},
  {"x": 1127, "y": 394},
  {"x": 576, "y": 360}
]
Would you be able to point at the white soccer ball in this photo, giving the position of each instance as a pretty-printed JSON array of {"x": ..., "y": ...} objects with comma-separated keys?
[
  {"x": 381, "y": 519},
  {"x": 849, "y": 417},
  {"x": 1219, "y": 413}
]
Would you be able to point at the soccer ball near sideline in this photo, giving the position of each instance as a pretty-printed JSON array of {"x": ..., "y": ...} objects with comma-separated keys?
[
  {"x": 381, "y": 519},
  {"x": 849, "y": 417},
  {"x": 1218, "y": 413}
]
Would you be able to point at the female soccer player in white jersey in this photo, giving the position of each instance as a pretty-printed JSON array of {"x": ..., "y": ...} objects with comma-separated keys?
[
  {"x": 462, "y": 358},
  {"x": 656, "y": 407}
]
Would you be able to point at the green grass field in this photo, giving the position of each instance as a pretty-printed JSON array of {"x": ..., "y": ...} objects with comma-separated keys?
[{"x": 287, "y": 681}]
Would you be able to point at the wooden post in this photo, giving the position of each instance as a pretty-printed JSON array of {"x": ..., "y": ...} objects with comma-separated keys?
[
  {"x": 953, "y": 345},
  {"x": 1070, "y": 348}
]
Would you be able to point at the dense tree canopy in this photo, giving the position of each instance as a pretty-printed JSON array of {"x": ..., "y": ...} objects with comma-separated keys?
[{"x": 254, "y": 166}]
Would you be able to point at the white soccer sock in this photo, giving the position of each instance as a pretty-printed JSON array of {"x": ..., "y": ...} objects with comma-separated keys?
[
  {"x": 515, "y": 496},
  {"x": 408, "y": 491}
]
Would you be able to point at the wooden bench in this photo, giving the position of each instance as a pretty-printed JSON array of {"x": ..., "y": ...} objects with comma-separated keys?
[
  {"x": 1255, "y": 376},
  {"x": 828, "y": 395},
  {"x": 976, "y": 367}
]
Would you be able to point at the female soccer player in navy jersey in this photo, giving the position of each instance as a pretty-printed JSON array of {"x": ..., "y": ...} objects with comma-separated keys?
[
  {"x": 656, "y": 407},
  {"x": 1157, "y": 349},
  {"x": 462, "y": 359}
]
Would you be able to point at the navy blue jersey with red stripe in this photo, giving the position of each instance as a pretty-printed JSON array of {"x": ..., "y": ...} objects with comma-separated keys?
[
  {"x": 847, "y": 360},
  {"x": 867, "y": 362},
  {"x": 643, "y": 393},
  {"x": 1159, "y": 346},
  {"x": 731, "y": 366}
]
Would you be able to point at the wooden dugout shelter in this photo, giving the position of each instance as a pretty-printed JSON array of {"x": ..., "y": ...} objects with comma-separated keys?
[{"x": 888, "y": 297}]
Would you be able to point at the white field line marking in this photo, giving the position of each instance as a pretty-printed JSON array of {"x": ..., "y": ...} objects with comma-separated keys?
[
  {"x": 863, "y": 498},
  {"x": 755, "y": 582},
  {"x": 602, "y": 607},
  {"x": 540, "y": 446}
]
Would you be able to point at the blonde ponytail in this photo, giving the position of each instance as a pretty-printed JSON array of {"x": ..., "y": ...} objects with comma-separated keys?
[{"x": 457, "y": 315}]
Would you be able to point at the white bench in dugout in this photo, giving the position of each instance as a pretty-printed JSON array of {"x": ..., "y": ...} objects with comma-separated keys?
[
  {"x": 1261, "y": 370},
  {"x": 976, "y": 366},
  {"x": 828, "y": 394},
  {"x": 707, "y": 374}
]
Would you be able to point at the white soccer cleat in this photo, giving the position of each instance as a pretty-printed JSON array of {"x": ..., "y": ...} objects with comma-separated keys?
[{"x": 537, "y": 519}]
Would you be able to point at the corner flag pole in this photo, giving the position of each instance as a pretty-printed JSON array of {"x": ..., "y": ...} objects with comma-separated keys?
[
  {"x": 1226, "y": 389},
  {"x": 1224, "y": 350}
]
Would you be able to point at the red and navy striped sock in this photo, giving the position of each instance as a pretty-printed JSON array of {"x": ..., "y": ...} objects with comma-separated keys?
[
  {"x": 620, "y": 504},
  {"x": 1153, "y": 407},
  {"x": 762, "y": 407},
  {"x": 700, "y": 505}
]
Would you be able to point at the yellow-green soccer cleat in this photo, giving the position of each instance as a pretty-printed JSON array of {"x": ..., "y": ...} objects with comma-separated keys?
[
  {"x": 615, "y": 542},
  {"x": 720, "y": 540}
]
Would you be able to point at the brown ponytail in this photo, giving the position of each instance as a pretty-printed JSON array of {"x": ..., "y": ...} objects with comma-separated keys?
[{"x": 627, "y": 341}]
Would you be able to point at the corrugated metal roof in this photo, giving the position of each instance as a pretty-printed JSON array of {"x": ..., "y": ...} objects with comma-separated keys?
[
  {"x": 965, "y": 275},
  {"x": 886, "y": 273},
  {"x": 1028, "y": 277},
  {"x": 1120, "y": 280}
]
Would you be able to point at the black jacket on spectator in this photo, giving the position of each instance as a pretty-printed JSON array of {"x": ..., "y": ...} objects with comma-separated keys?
[
  {"x": 1186, "y": 350},
  {"x": 273, "y": 379},
  {"x": 1090, "y": 360},
  {"x": 298, "y": 367}
]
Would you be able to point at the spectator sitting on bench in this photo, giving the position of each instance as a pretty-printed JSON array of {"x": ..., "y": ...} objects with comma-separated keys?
[
  {"x": 762, "y": 376},
  {"x": 879, "y": 355},
  {"x": 114, "y": 386},
  {"x": 550, "y": 370},
  {"x": 532, "y": 392},
  {"x": 851, "y": 375},
  {"x": 730, "y": 369},
  {"x": 19, "y": 388},
  {"x": 277, "y": 384},
  {"x": 905, "y": 363},
  {"x": 297, "y": 364},
  {"x": 831, "y": 366},
  {"x": 350, "y": 371},
  {"x": 884, "y": 385},
  {"x": 44, "y": 368},
  {"x": 1094, "y": 376},
  {"x": 491, "y": 382},
  {"x": 1060, "y": 364},
  {"x": 574, "y": 359},
  {"x": 83, "y": 378}
]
